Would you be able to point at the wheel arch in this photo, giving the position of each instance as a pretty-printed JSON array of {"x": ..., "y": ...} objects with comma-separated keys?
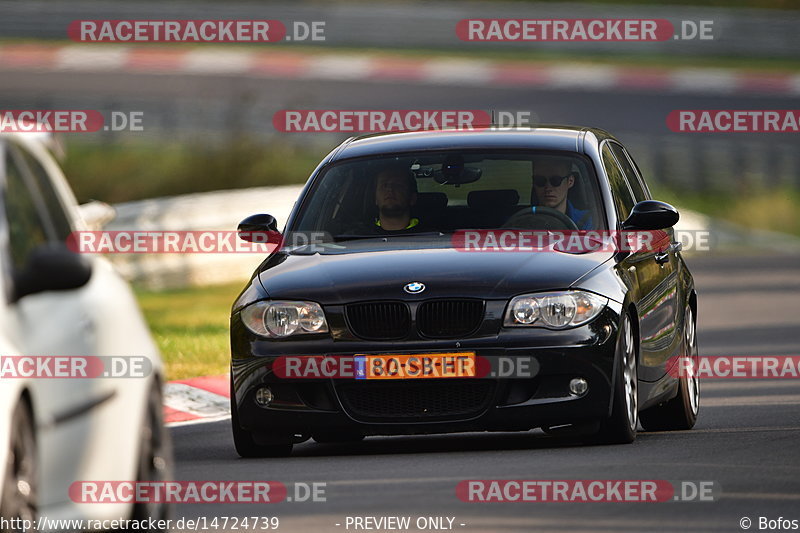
[{"x": 630, "y": 310}]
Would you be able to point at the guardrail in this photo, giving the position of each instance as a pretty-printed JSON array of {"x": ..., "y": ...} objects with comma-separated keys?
[{"x": 211, "y": 211}]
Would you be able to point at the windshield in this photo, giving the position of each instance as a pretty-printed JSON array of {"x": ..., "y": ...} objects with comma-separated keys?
[{"x": 430, "y": 193}]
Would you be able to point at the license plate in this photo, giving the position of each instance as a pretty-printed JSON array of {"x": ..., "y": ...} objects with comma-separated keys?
[{"x": 415, "y": 366}]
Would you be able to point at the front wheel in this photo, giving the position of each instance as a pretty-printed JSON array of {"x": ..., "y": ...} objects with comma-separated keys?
[
  {"x": 19, "y": 484},
  {"x": 155, "y": 456},
  {"x": 620, "y": 427},
  {"x": 680, "y": 413}
]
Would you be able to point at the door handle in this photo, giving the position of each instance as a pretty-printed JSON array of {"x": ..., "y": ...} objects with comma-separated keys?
[{"x": 663, "y": 257}]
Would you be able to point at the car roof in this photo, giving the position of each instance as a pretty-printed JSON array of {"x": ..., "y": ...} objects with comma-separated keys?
[{"x": 561, "y": 138}]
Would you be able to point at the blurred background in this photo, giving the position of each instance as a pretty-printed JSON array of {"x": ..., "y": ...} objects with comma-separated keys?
[{"x": 208, "y": 108}]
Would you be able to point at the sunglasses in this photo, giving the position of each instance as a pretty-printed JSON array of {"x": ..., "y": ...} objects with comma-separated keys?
[{"x": 555, "y": 181}]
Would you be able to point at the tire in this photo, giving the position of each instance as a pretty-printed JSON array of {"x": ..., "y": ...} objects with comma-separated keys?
[
  {"x": 245, "y": 444},
  {"x": 20, "y": 497},
  {"x": 155, "y": 456},
  {"x": 620, "y": 427},
  {"x": 679, "y": 413}
]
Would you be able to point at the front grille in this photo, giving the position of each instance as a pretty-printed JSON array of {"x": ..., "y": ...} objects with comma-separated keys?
[
  {"x": 442, "y": 319},
  {"x": 407, "y": 401},
  {"x": 379, "y": 320}
]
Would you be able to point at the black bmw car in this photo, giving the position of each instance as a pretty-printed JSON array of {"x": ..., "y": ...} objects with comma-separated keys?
[{"x": 402, "y": 297}]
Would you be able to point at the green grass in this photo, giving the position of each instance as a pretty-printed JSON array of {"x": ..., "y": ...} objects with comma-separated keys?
[
  {"x": 776, "y": 209},
  {"x": 190, "y": 327},
  {"x": 124, "y": 171}
]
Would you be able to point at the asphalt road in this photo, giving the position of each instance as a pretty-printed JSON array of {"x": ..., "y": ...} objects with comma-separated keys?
[{"x": 745, "y": 440}]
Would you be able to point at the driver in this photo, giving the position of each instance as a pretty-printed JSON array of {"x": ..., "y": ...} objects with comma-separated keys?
[
  {"x": 552, "y": 179},
  {"x": 395, "y": 195}
]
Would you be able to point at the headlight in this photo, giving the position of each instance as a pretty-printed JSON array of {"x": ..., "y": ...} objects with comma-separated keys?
[
  {"x": 282, "y": 319},
  {"x": 555, "y": 310}
]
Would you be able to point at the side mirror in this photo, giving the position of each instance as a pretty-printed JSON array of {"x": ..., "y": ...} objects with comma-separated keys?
[
  {"x": 255, "y": 227},
  {"x": 651, "y": 215},
  {"x": 97, "y": 214},
  {"x": 52, "y": 267}
]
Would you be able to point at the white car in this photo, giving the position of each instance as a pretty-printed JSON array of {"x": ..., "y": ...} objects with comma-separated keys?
[{"x": 54, "y": 302}]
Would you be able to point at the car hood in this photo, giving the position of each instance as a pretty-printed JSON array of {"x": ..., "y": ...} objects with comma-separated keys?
[{"x": 376, "y": 275}]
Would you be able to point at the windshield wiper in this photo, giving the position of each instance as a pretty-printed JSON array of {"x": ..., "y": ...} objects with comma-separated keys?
[{"x": 348, "y": 237}]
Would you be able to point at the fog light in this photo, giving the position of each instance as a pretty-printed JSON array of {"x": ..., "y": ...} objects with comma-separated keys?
[
  {"x": 578, "y": 386},
  {"x": 264, "y": 396}
]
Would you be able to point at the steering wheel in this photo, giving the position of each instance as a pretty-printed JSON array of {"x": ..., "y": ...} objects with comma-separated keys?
[{"x": 535, "y": 217}]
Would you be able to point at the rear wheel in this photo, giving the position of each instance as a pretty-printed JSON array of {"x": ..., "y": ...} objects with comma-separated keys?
[
  {"x": 246, "y": 445},
  {"x": 680, "y": 413},
  {"x": 620, "y": 427},
  {"x": 19, "y": 483}
]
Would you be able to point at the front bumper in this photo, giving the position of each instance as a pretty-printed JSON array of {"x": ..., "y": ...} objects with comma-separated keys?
[{"x": 377, "y": 407}]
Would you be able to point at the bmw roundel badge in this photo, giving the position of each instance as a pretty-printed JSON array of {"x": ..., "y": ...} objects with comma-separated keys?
[{"x": 414, "y": 287}]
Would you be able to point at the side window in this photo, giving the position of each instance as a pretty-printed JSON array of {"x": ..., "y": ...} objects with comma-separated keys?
[
  {"x": 639, "y": 193},
  {"x": 26, "y": 228},
  {"x": 55, "y": 209},
  {"x": 623, "y": 199}
]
